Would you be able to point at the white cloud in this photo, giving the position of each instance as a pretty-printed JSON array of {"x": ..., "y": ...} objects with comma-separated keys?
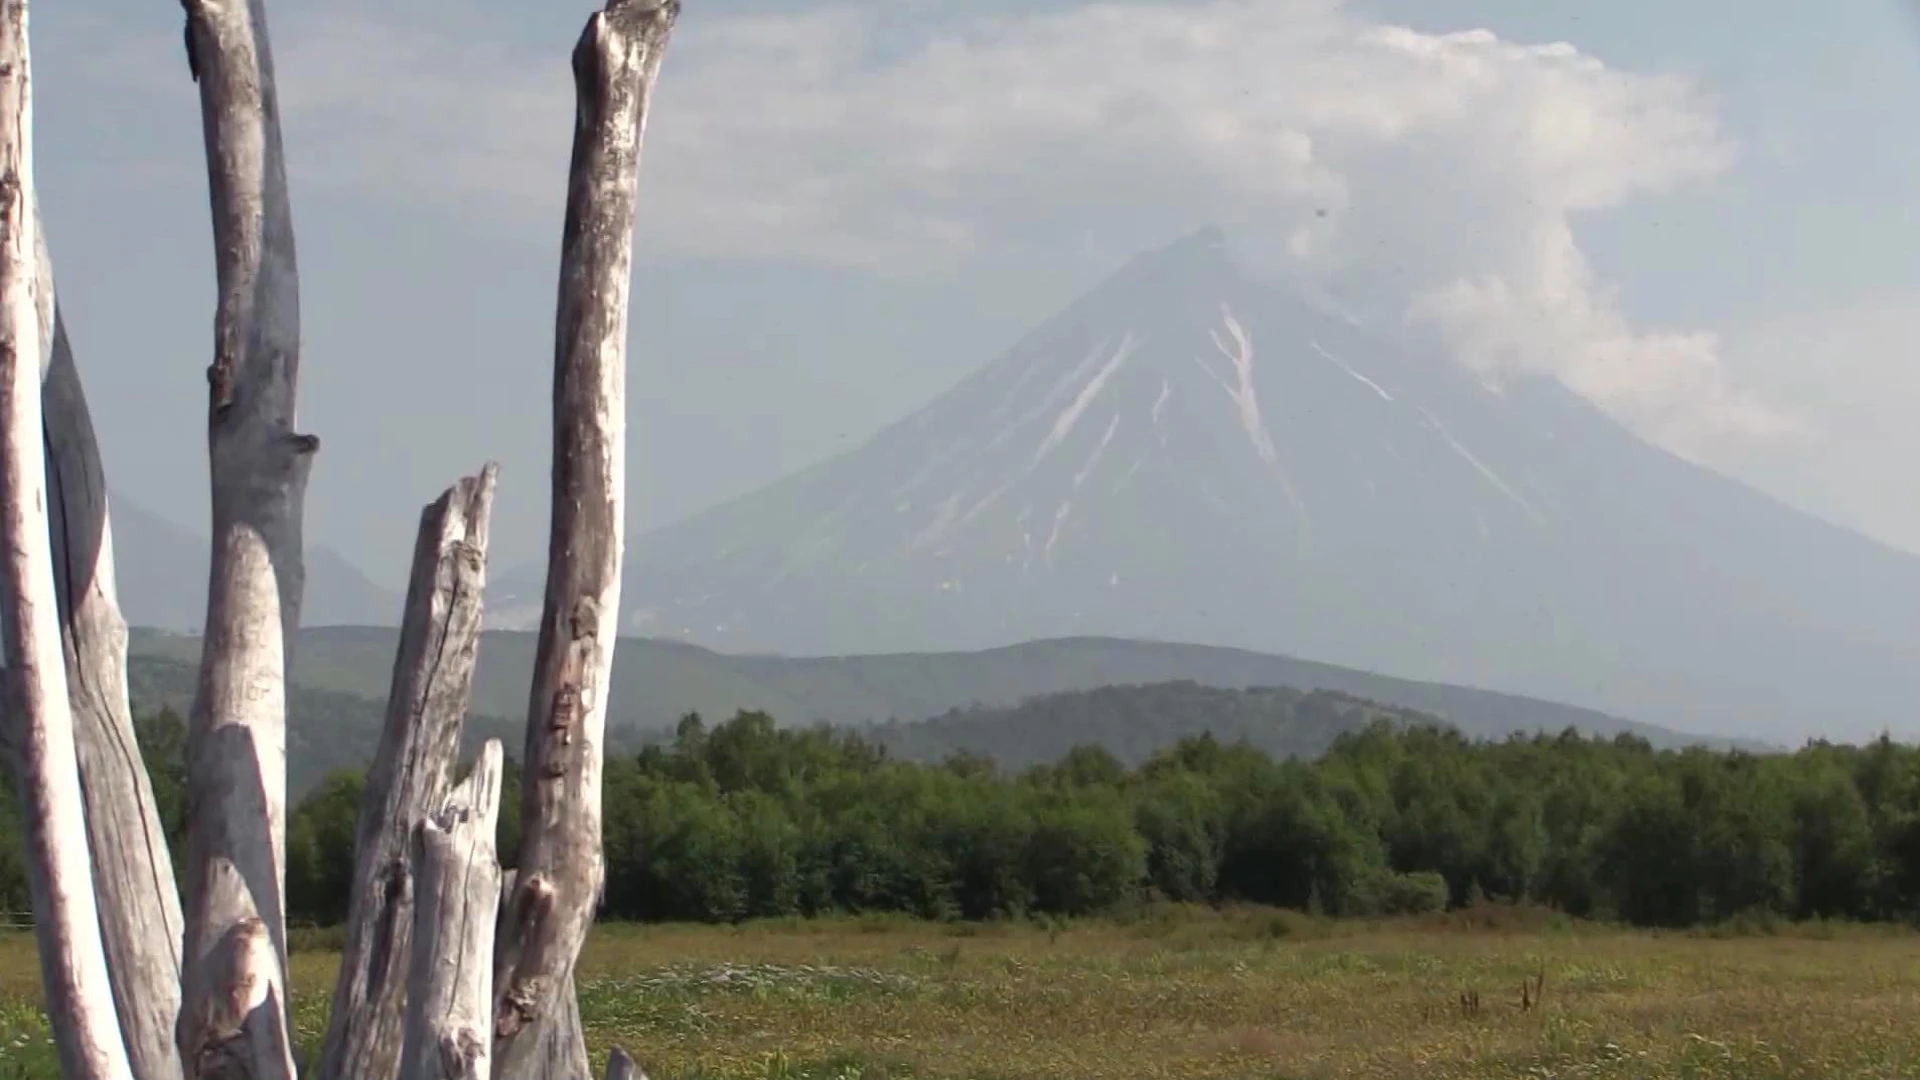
[
  {"x": 1854, "y": 372},
  {"x": 1443, "y": 172}
]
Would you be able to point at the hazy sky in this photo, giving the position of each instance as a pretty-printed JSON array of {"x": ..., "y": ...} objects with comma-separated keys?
[{"x": 1702, "y": 215}]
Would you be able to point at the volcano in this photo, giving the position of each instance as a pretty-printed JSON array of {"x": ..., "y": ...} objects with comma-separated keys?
[{"x": 1189, "y": 454}]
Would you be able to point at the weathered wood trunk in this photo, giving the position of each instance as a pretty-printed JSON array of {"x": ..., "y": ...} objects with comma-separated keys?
[
  {"x": 450, "y": 984},
  {"x": 233, "y": 1016},
  {"x": 138, "y": 899},
  {"x": 73, "y": 961},
  {"x": 560, "y": 868},
  {"x": 426, "y": 709}
]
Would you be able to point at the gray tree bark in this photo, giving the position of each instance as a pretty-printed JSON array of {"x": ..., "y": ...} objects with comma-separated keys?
[
  {"x": 233, "y": 1017},
  {"x": 560, "y": 866},
  {"x": 426, "y": 709},
  {"x": 450, "y": 984},
  {"x": 73, "y": 961}
]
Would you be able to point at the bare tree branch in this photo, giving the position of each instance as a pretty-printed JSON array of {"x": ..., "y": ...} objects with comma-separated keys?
[
  {"x": 560, "y": 866},
  {"x": 235, "y": 995},
  {"x": 426, "y": 708},
  {"x": 73, "y": 961},
  {"x": 450, "y": 984}
]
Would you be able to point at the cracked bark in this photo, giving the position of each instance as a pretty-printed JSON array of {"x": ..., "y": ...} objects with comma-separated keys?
[{"x": 450, "y": 982}]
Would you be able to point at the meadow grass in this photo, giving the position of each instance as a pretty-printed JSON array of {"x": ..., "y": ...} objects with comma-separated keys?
[{"x": 1178, "y": 993}]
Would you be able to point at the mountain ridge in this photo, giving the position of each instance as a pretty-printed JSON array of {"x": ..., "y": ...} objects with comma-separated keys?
[{"x": 655, "y": 682}]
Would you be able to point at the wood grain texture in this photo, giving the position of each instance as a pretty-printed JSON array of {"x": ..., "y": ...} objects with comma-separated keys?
[
  {"x": 426, "y": 710},
  {"x": 450, "y": 982}
]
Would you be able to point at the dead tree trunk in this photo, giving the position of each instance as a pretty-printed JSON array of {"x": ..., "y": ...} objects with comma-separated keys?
[
  {"x": 450, "y": 985},
  {"x": 137, "y": 897},
  {"x": 139, "y": 900},
  {"x": 233, "y": 1016},
  {"x": 426, "y": 708},
  {"x": 73, "y": 962},
  {"x": 560, "y": 866},
  {"x": 489, "y": 979}
]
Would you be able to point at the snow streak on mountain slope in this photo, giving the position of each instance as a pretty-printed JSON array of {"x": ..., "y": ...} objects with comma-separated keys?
[{"x": 1186, "y": 454}]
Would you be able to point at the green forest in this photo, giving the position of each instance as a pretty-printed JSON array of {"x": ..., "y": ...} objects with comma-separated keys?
[{"x": 746, "y": 819}]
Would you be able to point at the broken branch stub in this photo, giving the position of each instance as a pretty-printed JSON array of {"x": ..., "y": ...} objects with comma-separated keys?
[
  {"x": 615, "y": 66},
  {"x": 235, "y": 864},
  {"x": 73, "y": 962},
  {"x": 449, "y": 999},
  {"x": 426, "y": 709}
]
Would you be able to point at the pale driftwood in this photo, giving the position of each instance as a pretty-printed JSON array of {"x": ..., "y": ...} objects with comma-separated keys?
[
  {"x": 73, "y": 962},
  {"x": 235, "y": 942},
  {"x": 622, "y": 1067},
  {"x": 450, "y": 983},
  {"x": 560, "y": 868},
  {"x": 426, "y": 707},
  {"x": 138, "y": 899}
]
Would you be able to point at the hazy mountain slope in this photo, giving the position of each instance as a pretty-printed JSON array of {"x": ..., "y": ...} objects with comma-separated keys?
[
  {"x": 1134, "y": 722},
  {"x": 326, "y": 731},
  {"x": 1186, "y": 454},
  {"x": 161, "y": 570},
  {"x": 655, "y": 682}
]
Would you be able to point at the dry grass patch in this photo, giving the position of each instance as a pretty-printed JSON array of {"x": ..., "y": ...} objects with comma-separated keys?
[{"x": 1244, "y": 994}]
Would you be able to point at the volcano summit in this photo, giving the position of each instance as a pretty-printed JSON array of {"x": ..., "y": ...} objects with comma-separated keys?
[{"x": 1189, "y": 454}]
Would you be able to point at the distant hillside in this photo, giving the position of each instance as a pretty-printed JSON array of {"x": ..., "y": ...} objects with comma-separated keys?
[
  {"x": 657, "y": 682},
  {"x": 1134, "y": 722},
  {"x": 160, "y": 568},
  {"x": 327, "y": 731}
]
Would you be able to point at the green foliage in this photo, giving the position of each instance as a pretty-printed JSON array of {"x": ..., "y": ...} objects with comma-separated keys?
[
  {"x": 745, "y": 819},
  {"x": 1379, "y": 891},
  {"x": 320, "y": 841}
]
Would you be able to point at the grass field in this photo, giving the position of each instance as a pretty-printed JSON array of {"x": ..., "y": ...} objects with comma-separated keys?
[{"x": 1180, "y": 994}]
